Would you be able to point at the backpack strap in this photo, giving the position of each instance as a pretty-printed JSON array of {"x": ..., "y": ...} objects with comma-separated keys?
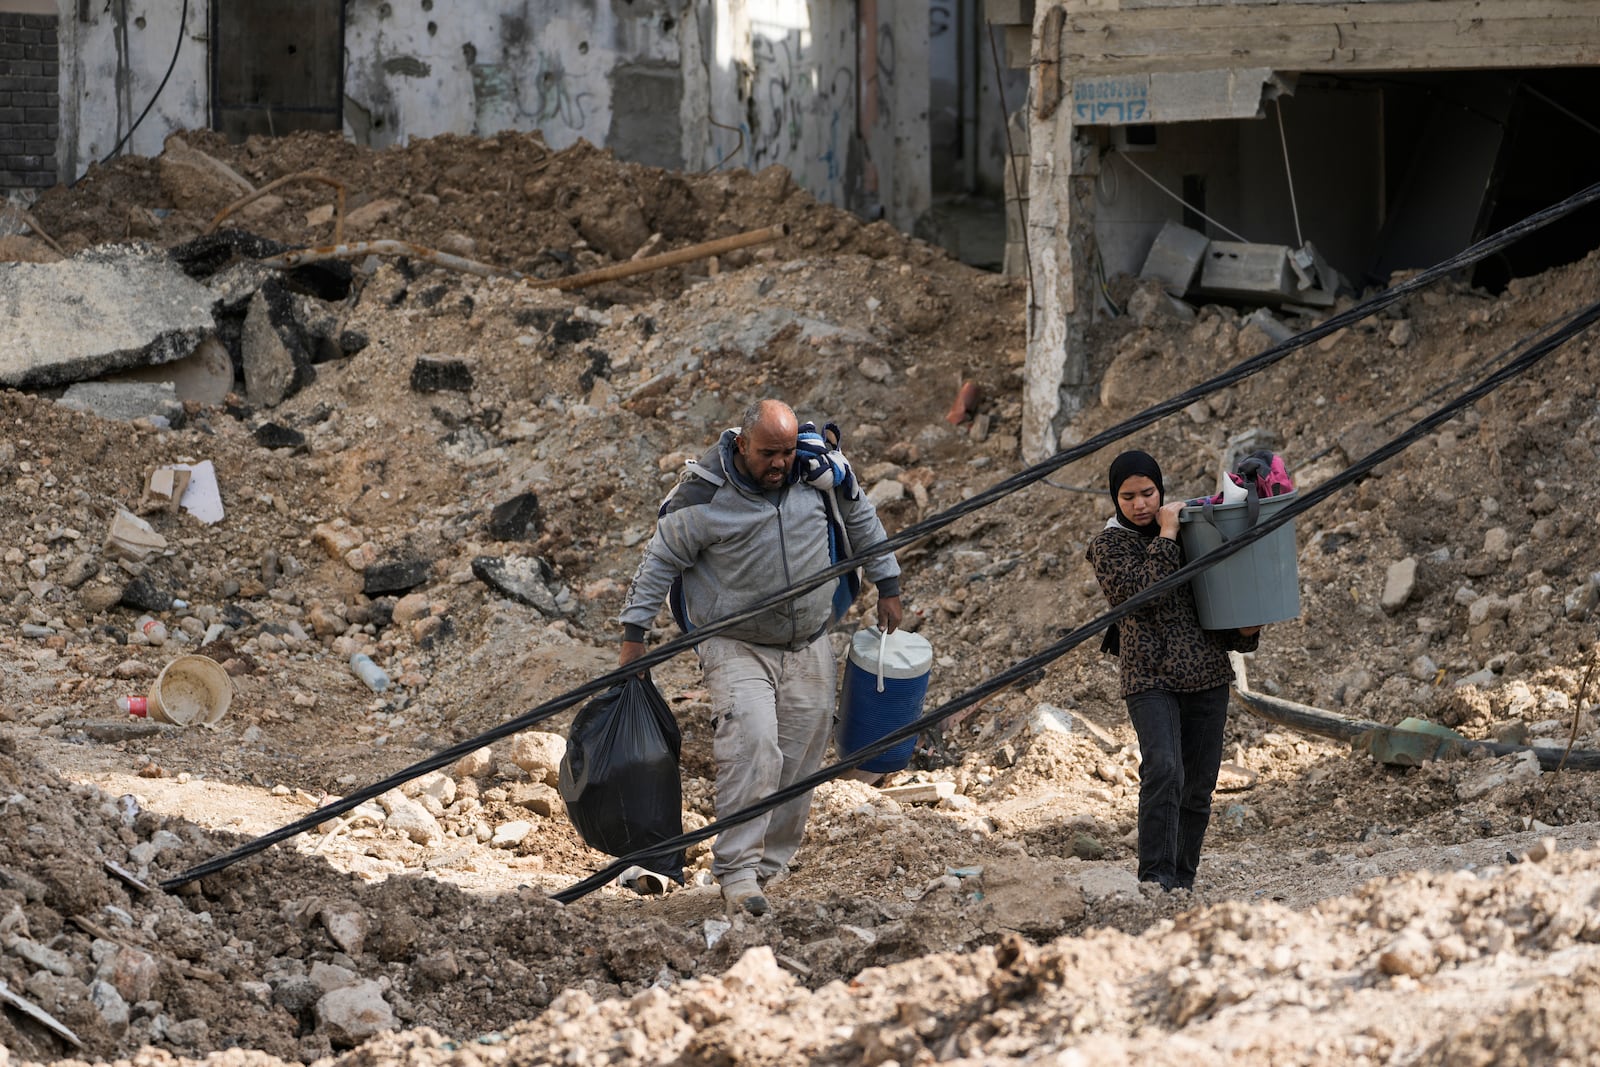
[
  {"x": 696, "y": 485},
  {"x": 849, "y": 585}
]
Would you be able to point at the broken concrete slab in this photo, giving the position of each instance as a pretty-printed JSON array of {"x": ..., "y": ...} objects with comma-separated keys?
[
  {"x": 1175, "y": 258},
  {"x": 526, "y": 579},
  {"x": 194, "y": 180},
  {"x": 1269, "y": 324},
  {"x": 130, "y": 537},
  {"x": 273, "y": 435},
  {"x": 106, "y": 309},
  {"x": 400, "y": 576},
  {"x": 517, "y": 519},
  {"x": 125, "y": 401},
  {"x": 273, "y": 350},
  {"x": 433, "y": 374},
  {"x": 227, "y": 259},
  {"x": 1247, "y": 272}
]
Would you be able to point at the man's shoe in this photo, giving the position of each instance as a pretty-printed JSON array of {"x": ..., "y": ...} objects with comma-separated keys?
[{"x": 745, "y": 896}]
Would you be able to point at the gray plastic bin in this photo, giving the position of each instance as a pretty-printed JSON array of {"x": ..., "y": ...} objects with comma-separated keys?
[{"x": 1252, "y": 587}]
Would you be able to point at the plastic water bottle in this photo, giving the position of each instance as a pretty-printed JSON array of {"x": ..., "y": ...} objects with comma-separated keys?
[
  {"x": 139, "y": 706},
  {"x": 153, "y": 628},
  {"x": 374, "y": 676}
]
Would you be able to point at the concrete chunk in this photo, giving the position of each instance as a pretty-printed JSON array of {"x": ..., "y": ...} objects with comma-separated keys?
[
  {"x": 125, "y": 401},
  {"x": 921, "y": 792},
  {"x": 1247, "y": 271},
  {"x": 107, "y": 308},
  {"x": 275, "y": 360},
  {"x": 1175, "y": 258}
]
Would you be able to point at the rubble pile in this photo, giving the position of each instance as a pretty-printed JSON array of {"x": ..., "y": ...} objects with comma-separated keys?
[{"x": 453, "y": 473}]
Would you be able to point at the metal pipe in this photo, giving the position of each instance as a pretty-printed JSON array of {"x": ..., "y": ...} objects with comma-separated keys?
[
  {"x": 666, "y": 259},
  {"x": 387, "y": 248},
  {"x": 1328, "y": 724},
  {"x": 572, "y": 281}
]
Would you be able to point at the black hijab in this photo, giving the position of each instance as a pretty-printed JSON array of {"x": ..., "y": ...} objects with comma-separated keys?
[{"x": 1126, "y": 466}]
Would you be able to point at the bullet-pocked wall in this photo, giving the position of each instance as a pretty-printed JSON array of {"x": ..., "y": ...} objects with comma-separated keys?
[
  {"x": 114, "y": 58},
  {"x": 418, "y": 68},
  {"x": 835, "y": 90},
  {"x": 30, "y": 99}
]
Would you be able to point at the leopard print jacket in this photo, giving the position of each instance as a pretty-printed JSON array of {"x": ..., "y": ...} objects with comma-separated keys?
[{"x": 1163, "y": 646}]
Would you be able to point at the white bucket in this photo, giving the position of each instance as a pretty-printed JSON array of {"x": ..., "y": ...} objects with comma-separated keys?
[{"x": 191, "y": 691}]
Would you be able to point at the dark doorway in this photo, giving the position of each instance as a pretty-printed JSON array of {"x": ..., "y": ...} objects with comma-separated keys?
[
  {"x": 277, "y": 67},
  {"x": 1552, "y": 151}
]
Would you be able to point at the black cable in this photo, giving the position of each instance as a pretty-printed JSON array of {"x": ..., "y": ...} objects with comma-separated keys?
[
  {"x": 1558, "y": 336},
  {"x": 665, "y": 651},
  {"x": 183, "y": 25}
]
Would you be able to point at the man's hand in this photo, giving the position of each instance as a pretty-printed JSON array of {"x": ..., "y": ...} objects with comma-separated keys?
[
  {"x": 631, "y": 650},
  {"x": 888, "y": 614}
]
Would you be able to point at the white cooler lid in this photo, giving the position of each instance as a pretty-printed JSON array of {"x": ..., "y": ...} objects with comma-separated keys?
[{"x": 905, "y": 654}]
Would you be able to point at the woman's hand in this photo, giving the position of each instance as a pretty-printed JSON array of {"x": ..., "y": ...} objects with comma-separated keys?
[{"x": 1168, "y": 517}]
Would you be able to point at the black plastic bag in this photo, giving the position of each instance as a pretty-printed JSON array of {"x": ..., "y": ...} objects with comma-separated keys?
[{"x": 620, "y": 778}]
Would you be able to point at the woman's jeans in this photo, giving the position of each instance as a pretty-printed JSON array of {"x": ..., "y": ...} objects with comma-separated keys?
[{"x": 1180, "y": 746}]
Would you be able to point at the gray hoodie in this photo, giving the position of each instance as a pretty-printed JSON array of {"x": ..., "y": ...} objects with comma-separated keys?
[{"x": 735, "y": 545}]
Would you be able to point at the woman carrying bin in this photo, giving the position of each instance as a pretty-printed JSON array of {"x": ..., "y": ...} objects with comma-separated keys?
[{"x": 1174, "y": 675}]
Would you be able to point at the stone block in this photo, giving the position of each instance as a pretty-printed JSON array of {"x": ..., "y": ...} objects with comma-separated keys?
[
  {"x": 1175, "y": 257},
  {"x": 105, "y": 309},
  {"x": 125, "y": 401},
  {"x": 433, "y": 375},
  {"x": 1247, "y": 271}
]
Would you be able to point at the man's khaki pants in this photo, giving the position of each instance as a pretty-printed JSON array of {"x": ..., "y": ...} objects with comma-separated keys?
[{"x": 774, "y": 711}]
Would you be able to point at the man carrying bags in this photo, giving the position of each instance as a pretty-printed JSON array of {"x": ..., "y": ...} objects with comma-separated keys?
[{"x": 757, "y": 513}]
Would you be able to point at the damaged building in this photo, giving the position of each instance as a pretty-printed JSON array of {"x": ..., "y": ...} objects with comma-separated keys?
[
  {"x": 876, "y": 106},
  {"x": 1279, "y": 154}
]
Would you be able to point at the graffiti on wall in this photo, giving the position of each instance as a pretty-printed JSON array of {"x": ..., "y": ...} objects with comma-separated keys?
[
  {"x": 558, "y": 99},
  {"x": 797, "y": 114},
  {"x": 776, "y": 106},
  {"x": 884, "y": 71},
  {"x": 549, "y": 99},
  {"x": 1110, "y": 101},
  {"x": 841, "y": 88}
]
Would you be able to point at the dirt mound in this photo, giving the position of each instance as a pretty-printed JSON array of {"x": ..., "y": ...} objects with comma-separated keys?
[
  {"x": 1348, "y": 910},
  {"x": 508, "y": 201}
]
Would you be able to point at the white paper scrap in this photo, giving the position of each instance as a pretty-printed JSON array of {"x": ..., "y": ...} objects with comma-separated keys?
[{"x": 202, "y": 499}]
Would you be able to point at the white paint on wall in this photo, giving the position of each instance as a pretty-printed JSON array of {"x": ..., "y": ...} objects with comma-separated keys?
[
  {"x": 484, "y": 69},
  {"x": 789, "y": 81},
  {"x": 900, "y": 137},
  {"x": 833, "y": 90},
  {"x": 112, "y": 64}
]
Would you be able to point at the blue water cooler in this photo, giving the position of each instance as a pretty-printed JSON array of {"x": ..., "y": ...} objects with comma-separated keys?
[{"x": 885, "y": 681}]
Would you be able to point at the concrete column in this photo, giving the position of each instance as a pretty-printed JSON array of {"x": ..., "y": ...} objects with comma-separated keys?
[
  {"x": 910, "y": 191},
  {"x": 1062, "y": 170}
]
